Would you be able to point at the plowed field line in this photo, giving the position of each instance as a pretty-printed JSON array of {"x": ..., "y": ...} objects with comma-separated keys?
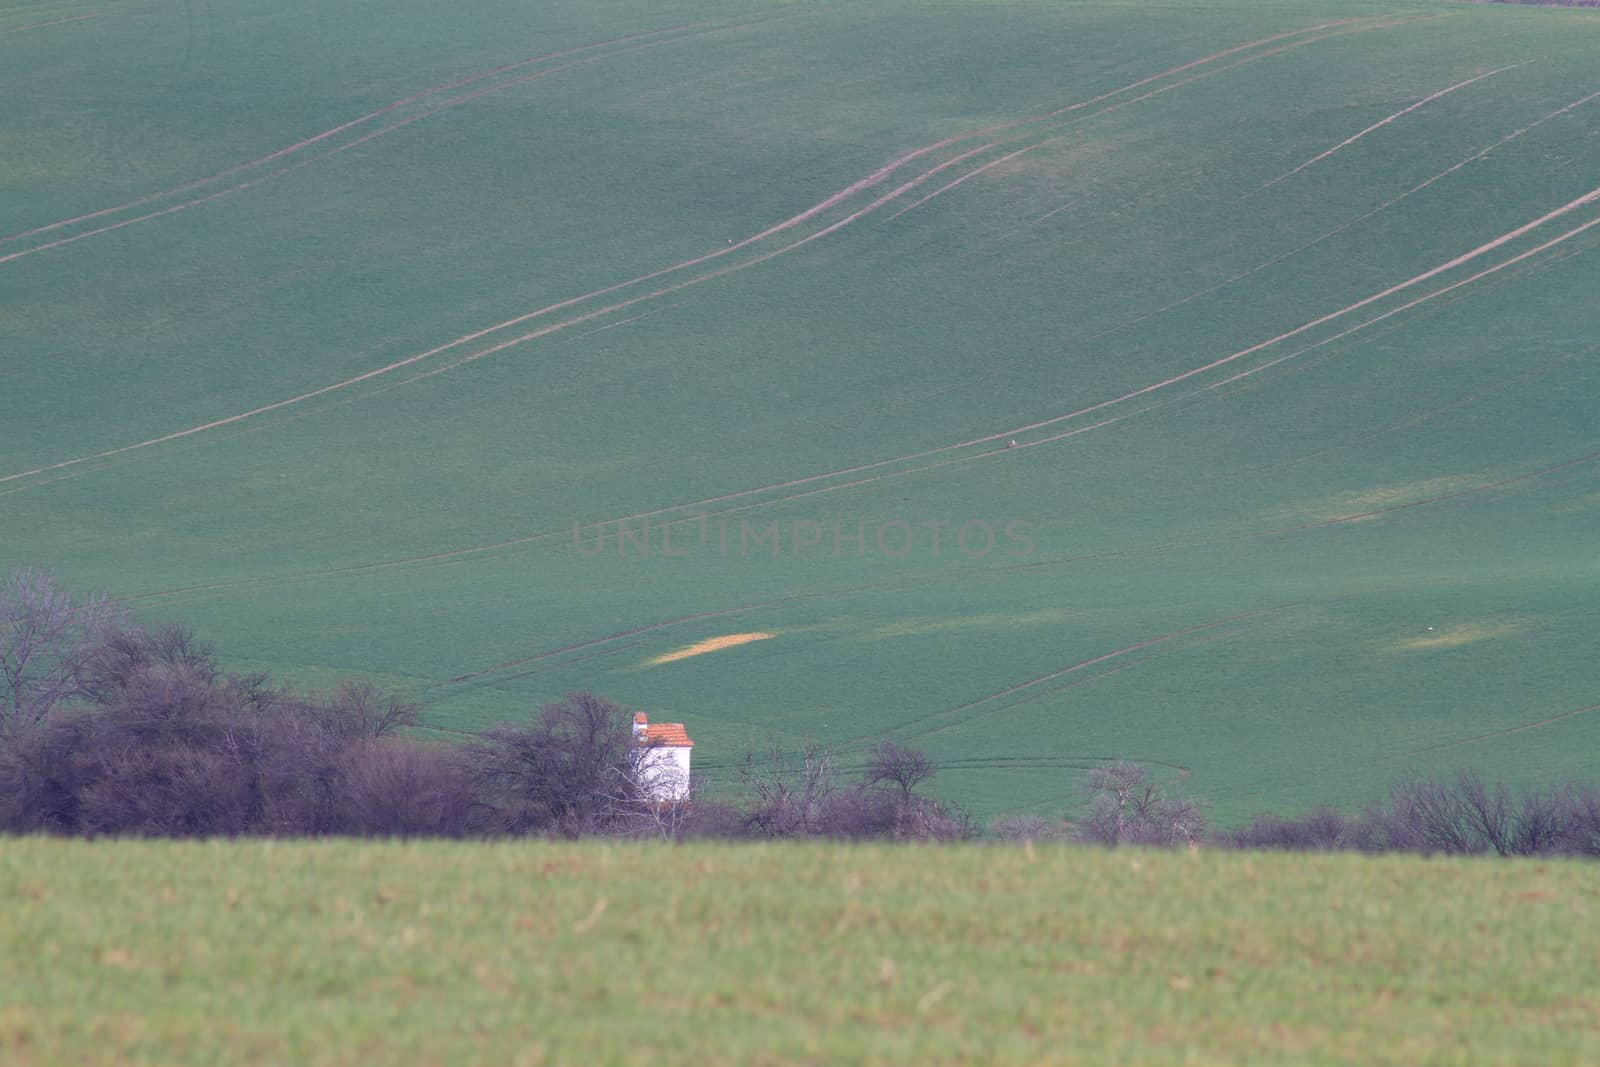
[
  {"x": 1150, "y": 95},
  {"x": 1103, "y": 657},
  {"x": 1344, "y": 227},
  {"x": 1575, "y": 231},
  {"x": 1385, "y": 121},
  {"x": 1119, "y": 418},
  {"x": 324, "y": 135},
  {"x": 988, "y": 439},
  {"x": 549, "y": 535},
  {"x": 1467, "y": 257},
  {"x": 53, "y": 22},
  {"x": 1494, "y": 733},
  {"x": 871, "y": 180},
  {"x": 1042, "y": 694},
  {"x": 344, "y": 147}
]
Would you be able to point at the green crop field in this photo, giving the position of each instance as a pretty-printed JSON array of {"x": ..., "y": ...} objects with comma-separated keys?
[
  {"x": 324, "y": 327},
  {"x": 342, "y": 952}
]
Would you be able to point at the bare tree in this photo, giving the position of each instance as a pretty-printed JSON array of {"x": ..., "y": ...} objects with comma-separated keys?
[
  {"x": 649, "y": 802},
  {"x": 1580, "y": 836},
  {"x": 1125, "y": 807},
  {"x": 1475, "y": 817},
  {"x": 125, "y": 651},
  {"x": 1544, "y": 822},
  {"x": 1486, "y": 811},
  {"x": 359, "y": 709},
  {"x": 898, "y": 765},
  {"x": 1424, "y": 815},
  {"x": 791, "y": 796},
  {"x": 49, "y": 640}
]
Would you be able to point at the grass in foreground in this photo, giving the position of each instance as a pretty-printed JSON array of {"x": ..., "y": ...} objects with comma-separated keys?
[{"x": 334, "y": 952}]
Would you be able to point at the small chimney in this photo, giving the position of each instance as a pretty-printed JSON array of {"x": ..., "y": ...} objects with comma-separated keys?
[{"x": 641, "y": 725}]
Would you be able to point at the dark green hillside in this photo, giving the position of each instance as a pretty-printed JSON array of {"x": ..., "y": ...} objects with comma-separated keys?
[{"x": 320, "y": 330}]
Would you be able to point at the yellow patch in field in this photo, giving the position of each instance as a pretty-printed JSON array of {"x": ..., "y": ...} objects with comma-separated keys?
[
  {"x": 942, "y": 624},
  {"x": 1364, "y": 502},
  {"x": 710, "y": 644},
  {"x": 1453, "y": 636}
]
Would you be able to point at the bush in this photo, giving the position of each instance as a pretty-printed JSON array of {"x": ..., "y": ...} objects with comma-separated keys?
[
  {"x": 41, "y": 778},
  {"x": 1036, "y": 828},
  {"x": 1460, "y": 817},
  {"x": 398, "y": 788},
  {"x": 569, "y": 772},
  {"x": 802, "y": 795}
]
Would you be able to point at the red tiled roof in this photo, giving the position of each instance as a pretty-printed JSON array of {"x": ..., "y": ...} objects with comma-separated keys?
[{"x": 667, "y": 735}]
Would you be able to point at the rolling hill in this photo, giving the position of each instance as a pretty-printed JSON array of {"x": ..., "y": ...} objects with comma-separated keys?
[{"x": 1211, "y": 385}]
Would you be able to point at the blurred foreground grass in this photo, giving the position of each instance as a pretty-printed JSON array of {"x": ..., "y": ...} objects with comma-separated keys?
[{"x": 448, "y": 953}]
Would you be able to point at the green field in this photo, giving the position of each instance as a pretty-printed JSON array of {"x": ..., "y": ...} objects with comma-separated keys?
[
  {"x": 339, "y": 952},
  {"x": 321, "y": 326}
]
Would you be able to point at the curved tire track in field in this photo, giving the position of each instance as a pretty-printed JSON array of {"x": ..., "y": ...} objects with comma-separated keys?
[
  {"x": 1056, "y": 137},
  {"x": 335, "y": 131},
  {"x": 473, "y": 550},
  {"x": 1065, "y": 762},
  {"x": 1514, "y": 260},
  {"x": 1520, "y": 257},
  {"x": 870, "y": 181},
  {"x": 468, "y": 79},
  {"x": 1522, "y": 271},
  {"x": 53, "y": 22},
  {"x": 1282, "y": 256},
  {"x": 953, "y": 714},
  {"x": 1042, "y": 694},
  {"x": 991, "y": 439},
  {"x": 1386, "y": 121},
  {"x": 505, "y": 344},
  {"x": 1491, "y": 735},
  {"x": 1052, "y": 438},
  {"x": 345, "y": 146},
  {"x": 1482, "y": 250},
  {"x": 967, "y": 176}
]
